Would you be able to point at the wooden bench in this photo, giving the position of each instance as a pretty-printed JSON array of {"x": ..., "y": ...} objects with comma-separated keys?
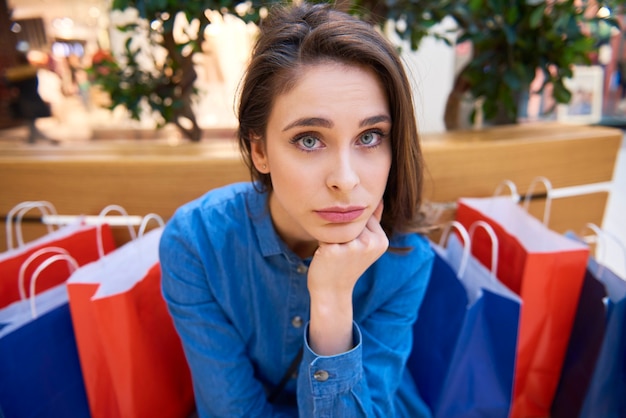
[{"x": 156, "y": 176}]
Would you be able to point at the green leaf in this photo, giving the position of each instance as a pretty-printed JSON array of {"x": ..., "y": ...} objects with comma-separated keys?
[
  {"x": 536, "y": 15},
  {"x": 561, "y": 93},
  {"x": 475, "y": 5},
  {"x": 510, "y": 33},
  {"x": 120, "y": 4}
]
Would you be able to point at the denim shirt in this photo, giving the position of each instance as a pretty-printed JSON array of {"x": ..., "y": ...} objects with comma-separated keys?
[{"x": 239, "y": 300}]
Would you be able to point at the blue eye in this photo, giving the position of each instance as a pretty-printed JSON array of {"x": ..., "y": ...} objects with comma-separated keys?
[
  {"x": 371, "y": 138},
  {"x": 368, "y": 138},
  {"x": 307, "y": 142}
]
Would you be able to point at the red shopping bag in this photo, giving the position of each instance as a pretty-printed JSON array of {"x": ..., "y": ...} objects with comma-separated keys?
[
  {"x": 547, "y": 270},
  {"x": 147, "y": 339},
  {"x": 79, "y": 240},
  {"x": 131, "y": 356}
]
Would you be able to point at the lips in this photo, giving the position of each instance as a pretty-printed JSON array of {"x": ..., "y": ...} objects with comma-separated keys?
[{"x": 340, "y": 215}]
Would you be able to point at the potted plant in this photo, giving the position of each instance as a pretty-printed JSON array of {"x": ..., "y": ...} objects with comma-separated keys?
[
  {"x": 511, "y": 40},
  {"x": 166, "y": 85}
]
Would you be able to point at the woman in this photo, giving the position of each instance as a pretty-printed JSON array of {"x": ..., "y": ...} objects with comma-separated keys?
[{"x": 316, "y": 256}]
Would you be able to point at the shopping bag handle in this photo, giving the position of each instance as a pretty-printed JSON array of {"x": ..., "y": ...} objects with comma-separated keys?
[
  {"x": 466, "y": 243},
  {"x": 45, "y": 207},
  {"x": 512, "y": 189},
  {"x": 531, "y": 188},
  {"x": 60, "y": 255},
  {"x": 600, "y": 238},
  {"x": 494, "y": 243},
  {"x": 147, "y": 218},
  {"x": 103, "y": 212},
  {"x": 22, "y": 272}
]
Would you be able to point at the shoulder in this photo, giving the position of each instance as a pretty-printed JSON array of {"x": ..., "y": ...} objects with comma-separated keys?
[
  {"x": 410, "y": 257},
  {"x": 216, "y": 203},
  {"x": 218, "y": 210},
  {"x": 400, "y": 276},
  {"x": 411, "y": 247}
]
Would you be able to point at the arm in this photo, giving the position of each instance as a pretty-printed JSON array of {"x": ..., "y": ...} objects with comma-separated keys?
[
  {"x": 352, "y": 369},
  {"x": 334, "y": 271},
  {"x": 223, "y": 376},
  {"x": 364, "y": 381}
]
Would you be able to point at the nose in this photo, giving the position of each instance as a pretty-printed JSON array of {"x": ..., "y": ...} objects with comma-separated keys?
[{"x": 342, "y": 173}]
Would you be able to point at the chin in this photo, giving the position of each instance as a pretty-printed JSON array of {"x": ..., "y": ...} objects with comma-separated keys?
[{"x": 339, "y": 233}]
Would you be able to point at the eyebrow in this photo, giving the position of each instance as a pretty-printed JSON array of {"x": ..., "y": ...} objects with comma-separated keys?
[
  {"x": 321, "y": 122},
  {"x": 325, "y": 123},
  {"x": 374, "y": 120}
]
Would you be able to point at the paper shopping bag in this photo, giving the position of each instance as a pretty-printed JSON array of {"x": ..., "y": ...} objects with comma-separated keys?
[
  {"x": 479, "y": 382},
  {"x": 148, "y": 337},
  {"x": 583, "y": 348},
  {"x": 606, "y": 395},
  {"x": 131, "y": 356},
  {"x": 463, "y": 354},
  {"x": 546, "y": 270},
  {"x": 437, "y": 329},
  {"x": 40, "y": 374},
  {"x": 81, "y": 243}
]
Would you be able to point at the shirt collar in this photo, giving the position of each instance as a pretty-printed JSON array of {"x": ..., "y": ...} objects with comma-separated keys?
[{"x": 258, "y": 208}]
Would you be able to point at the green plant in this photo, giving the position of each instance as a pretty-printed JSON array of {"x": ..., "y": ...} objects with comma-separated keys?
[
  {"x": 166, "y": 85},
  {"x": 511, "y": 39}
]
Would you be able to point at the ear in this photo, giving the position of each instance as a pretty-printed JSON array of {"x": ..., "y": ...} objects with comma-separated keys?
[{"x": 259, "y": 155}]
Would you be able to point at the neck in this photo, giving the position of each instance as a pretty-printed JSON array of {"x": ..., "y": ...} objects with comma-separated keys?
[{"x": 290, "y": 232}]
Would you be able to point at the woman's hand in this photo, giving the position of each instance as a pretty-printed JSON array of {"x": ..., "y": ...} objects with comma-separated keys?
[{"x": 334, "y": 271}]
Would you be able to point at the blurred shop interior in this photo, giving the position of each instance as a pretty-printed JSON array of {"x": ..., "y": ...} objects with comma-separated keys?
[{"x": 61, "y": 37}]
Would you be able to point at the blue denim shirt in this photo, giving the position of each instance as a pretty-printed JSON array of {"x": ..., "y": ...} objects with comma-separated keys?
[{"x": 238, "y": 297}]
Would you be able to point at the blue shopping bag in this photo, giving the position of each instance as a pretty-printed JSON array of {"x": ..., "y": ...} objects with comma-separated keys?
[
  {"x": 588, "y": 332},
  {"x": 436, "y": 329},
  {"x": 40, "y": 374},
  {"x": 606, "y": 395},
  {"x": 474, "y": 377}
]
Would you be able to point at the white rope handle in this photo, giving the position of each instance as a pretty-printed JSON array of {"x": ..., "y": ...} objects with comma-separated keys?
[
  {"x": 103, "y": 212},
  {"x": 148, "y": 218},
  {"x": 600, "y": 239},
  {"x": 72, "y": 264},
  {"x": 531, "y": 188},
  {"x": 466, "y": 243},
  {"x": 22, "y": 273},
  {"x": 512, "y": 189},
  {"x": 46, "y": 208},
  {"x": 20, "y": 209},
  {"x": 494, "y": 244}
]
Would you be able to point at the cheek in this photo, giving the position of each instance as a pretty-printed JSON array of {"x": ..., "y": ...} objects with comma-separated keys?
[
  {"x": 375, "y": 173},
  {"x": 293, "y": 180}
]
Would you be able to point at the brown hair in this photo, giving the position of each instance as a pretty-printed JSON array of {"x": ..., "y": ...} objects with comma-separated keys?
[{"x": 305, "y": 34}]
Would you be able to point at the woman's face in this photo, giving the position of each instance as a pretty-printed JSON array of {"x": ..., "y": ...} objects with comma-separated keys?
[{"x": 328, "y": 153}]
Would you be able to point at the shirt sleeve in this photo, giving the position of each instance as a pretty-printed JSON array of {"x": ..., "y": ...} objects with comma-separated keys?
[
  {"x": 364, "y": 381},
  {"x": 223, "y": 376}
]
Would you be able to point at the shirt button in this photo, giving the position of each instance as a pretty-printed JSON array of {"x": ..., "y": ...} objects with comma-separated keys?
[
  {"x": 321, "y": 375},
  {"x": 296, "y": 321},
  {"x": 302, "y": 269}
]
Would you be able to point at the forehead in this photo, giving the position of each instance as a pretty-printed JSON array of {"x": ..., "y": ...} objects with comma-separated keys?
[
  {"x": 327, "y": 86},
  {"x": 313, "y": 72}
]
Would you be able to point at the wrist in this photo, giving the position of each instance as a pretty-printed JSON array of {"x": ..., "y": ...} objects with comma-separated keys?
[{"x": 330, "y": 325}]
